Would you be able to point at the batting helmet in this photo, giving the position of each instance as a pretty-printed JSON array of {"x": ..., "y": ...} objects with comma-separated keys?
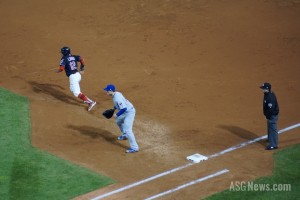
[{"x": 65, "y": 51}]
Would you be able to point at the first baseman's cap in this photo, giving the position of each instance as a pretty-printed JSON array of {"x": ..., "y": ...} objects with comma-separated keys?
[
  {"x": 266, "y": 86},
  {"x": 110, "y": 87}
]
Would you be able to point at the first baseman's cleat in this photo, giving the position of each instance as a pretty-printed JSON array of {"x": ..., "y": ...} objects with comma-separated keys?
[
  {"x": 122, "y": 137},
  {"x": 91, "y": 105},
  {"x": 271, "y": 148},
  {"x": 131, "y": 150}
]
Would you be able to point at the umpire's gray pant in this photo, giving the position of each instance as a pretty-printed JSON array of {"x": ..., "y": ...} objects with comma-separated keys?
[{"x": 272, "y": 131}]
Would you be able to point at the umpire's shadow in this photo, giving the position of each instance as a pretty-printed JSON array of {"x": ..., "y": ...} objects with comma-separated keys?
[
  {"x": 96, "y": 133},
  {"x": 242, "y": 133},
  {"x": 54, "y": 91}
]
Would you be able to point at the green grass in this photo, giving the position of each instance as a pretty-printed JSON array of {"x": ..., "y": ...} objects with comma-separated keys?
[
  {"x": 286, "y": 171},
  {"x": 29, "y": 173}
]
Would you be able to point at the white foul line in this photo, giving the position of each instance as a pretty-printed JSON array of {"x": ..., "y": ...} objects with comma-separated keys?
[
  {"x": 251, "y": 141},
  {"x": 189, "y": 184},
  {"x": 190, "y": 164},
  {"x": 142, "y": 181}
]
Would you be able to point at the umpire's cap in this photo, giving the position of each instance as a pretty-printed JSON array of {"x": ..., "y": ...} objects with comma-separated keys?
[
  {"x": 110, "y": 87},
  {"x": 266, "y": 86}
]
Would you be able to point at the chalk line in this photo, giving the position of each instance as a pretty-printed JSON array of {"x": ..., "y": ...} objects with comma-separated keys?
[{"x": 188, "y": 184}]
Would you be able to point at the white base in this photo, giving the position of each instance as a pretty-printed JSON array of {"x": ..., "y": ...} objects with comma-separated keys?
[{"x": 196, "y": 158}]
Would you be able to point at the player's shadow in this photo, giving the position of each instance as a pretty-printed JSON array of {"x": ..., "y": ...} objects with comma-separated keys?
[
  {"x": 54, "y": 91},
  {"x": 96, "y": 133},
  {"x": 242, "y": 133}
]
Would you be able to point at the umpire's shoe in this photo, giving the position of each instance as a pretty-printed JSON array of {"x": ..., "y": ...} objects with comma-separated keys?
[{"x": 271, "y": 148}]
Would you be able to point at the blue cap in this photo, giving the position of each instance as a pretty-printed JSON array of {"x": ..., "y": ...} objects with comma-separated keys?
[{"x": 110, "y": 87}]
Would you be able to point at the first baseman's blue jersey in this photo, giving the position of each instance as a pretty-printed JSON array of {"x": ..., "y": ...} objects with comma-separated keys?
[{"x": 70, "y": 64}]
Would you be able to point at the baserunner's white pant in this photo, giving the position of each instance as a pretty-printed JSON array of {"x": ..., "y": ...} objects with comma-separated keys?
[
  {"x": 125, "y": 123},
  {"x": 74, "y": 83}
]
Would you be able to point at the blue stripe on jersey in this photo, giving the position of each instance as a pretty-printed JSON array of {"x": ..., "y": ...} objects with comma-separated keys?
[{"x": 121, "y": 111}]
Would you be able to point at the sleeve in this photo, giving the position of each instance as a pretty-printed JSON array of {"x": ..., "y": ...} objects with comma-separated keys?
[
  {"x": 268, "y": 113},
  {"x": 121, "y": 104},
  {"x": 62, "y": 65},
  {"x": 81, "y": 60},
  {"x": 121, "y": 111},
  {"x": 270, "y": 107},
  {"x": 274, "y": 108},
  {"x": 62, "y": 62}
]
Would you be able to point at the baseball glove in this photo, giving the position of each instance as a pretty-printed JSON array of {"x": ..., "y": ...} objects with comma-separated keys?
[{"x": 108, "y": 113}]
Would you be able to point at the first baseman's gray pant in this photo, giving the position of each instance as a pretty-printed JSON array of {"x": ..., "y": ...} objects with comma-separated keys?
[
  {"x": 272, "y": 131},
  {"x": 125, "y": 123}
]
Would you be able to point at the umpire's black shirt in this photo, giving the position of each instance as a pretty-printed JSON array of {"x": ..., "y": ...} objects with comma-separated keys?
[{"x": 270, "y": 104}]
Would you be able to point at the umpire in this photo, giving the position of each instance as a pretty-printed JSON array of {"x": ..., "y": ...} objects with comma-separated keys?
[{"x": 271, "y": 111}]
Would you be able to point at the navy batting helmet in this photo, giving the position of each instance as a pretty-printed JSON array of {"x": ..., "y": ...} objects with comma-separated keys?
[{"x": 65, "y": 51}]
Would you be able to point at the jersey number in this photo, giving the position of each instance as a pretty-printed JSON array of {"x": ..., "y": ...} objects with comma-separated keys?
[{"x": 73, "y": 65}]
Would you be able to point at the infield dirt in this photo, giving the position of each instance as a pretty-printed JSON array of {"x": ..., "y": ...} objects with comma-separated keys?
[{"x": 192, "y": 68}]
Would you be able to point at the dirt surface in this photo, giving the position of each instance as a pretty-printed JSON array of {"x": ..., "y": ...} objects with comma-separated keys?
[{"x": 192, "y": 68}]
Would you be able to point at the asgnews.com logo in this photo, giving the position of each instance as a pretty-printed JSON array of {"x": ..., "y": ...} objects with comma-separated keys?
[{"x": 250, "y": 186}]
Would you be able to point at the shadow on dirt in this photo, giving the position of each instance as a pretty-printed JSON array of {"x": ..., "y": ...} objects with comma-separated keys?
[
  {"x": 95, "y": 133},
  {"x": 54, "y": 91},
  {"x": 242, "y": 133}
]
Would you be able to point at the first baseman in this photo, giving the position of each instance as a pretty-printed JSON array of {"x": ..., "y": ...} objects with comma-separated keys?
[
  {"x": 124, "y": 117},
  {"x": 68, "y": 63}
]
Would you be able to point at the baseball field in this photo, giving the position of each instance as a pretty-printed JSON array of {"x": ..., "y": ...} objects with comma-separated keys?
[{"x": 192, "y": 69}]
